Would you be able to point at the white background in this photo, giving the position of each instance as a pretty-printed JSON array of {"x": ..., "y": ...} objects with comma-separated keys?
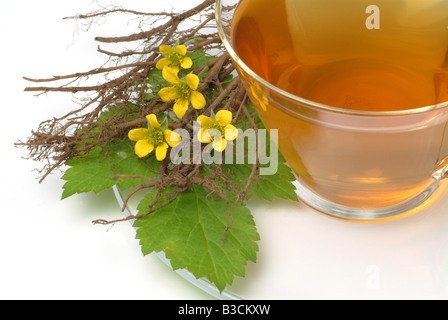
[{"x": 49, "y": 249}]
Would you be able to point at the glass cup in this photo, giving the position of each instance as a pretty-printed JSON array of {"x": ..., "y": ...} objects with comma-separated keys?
[{"x": 357, "y": 164}]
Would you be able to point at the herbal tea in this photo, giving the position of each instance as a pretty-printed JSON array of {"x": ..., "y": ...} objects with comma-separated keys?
[
  {"x": 323, "y": 50},
  {"x": 347, "y": 54}
]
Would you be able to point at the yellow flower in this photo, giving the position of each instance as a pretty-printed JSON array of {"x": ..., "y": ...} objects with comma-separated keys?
[
  {"x": 174, "y": 58},
  {"x": 153, "y": 138},
  {"x": 217, "y": 129},
  {"x": 183, "y": 92}
]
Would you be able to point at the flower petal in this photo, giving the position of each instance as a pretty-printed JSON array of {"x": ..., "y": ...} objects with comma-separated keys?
[
  {"x": 205, "y": 122},
  {"x": 204, "y": 136},
  {"x": 172, "y": 138},
  {"x": 186, "y": 63},
  {"x": 143, "y": 148},
  {"x": 153, "y": 122},
  {"x": 181, "y": 49},
  {"x": 161, "y": 151},
  {"x": 231, "y": 132},
  {"x": 168, "y": 94},
  {"x": 162, "y": 63},
  {"x": 165, "y": 49},
  {"x": 224, "y": 117},
  {"x": 175, "y": 68},
  {"x": 197, "y": 100},
  {"x": 138, "y": 134},
  {"x": 219, "y": 144},
  {"x": 170, "y": 75},
  {"x": 192, "y": 81},
  {"x": 180, "y": 107}
]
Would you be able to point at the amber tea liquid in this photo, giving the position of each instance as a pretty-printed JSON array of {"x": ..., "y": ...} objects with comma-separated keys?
[{"x": 338, "y": 53}]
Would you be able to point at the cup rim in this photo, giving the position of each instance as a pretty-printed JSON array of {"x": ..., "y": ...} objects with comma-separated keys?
[{"x": 300, "y": 100}]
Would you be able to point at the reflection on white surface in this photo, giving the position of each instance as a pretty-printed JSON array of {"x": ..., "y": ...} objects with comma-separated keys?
[{"x": 305, "y": 254}]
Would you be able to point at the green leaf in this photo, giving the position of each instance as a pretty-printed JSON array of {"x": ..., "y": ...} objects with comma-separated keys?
[
  {"x": 155, "y": 78},
  {"x": 279, "y": 185},
  {"x": 268, "y": 187},
  {"x": 94, "y": 171},
  {"x": 199, "y": 58},
  {"x": 192, "y": 232},
  {"x": 277, "y": 182}
]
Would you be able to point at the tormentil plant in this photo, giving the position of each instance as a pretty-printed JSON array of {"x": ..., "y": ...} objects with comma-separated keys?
[{"x": 126, "y": 126}]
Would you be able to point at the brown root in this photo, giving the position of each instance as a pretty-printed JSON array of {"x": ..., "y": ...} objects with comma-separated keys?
[{"x": 60, "y": 139}]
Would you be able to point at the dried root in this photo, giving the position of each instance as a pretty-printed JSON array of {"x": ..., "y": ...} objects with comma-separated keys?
[{"x": 60, "y": 139}]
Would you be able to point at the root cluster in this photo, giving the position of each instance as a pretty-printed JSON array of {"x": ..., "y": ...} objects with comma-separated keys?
[{"x": 58, "y": 140}]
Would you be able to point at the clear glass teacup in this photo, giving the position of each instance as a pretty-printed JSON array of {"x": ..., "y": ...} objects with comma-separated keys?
[{"x": 358, "y": 94}]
